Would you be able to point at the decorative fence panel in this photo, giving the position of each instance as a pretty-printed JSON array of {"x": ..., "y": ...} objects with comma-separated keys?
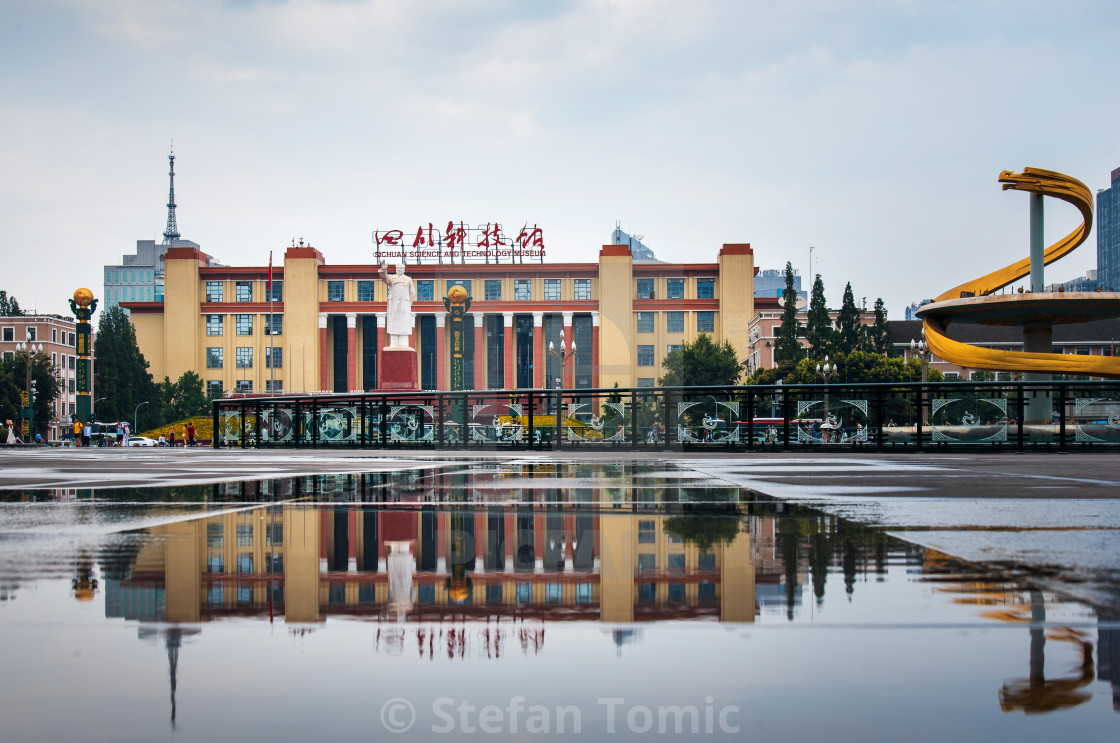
[{"x": 866, "y": 417}]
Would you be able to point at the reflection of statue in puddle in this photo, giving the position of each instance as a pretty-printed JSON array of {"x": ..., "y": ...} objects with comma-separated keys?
[
  {"x": 400, "y": 565},
  {"x": 1038, "y": 694}
]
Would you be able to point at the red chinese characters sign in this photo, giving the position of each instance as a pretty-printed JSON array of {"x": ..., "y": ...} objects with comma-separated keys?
[{"x": 459, "y": 242}]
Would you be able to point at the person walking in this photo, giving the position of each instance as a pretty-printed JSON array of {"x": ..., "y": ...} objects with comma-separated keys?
[
  {"x": 190, "y": 434},
  {"x": 11, "y": 432},
  {"x": 171, "y": 438},
  {"x": 125, "y": 434},
  {"x": 85, "y": 434},
  {"x": 77, "y": 432}
]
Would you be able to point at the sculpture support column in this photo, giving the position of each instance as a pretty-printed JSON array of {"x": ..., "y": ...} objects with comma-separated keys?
[
  {"x": 510, "y": 351},
  {"x": 568, "y": 344},
  {"x": 481, "y": 359},
  {"x": 351, "y": 351},
  {"x": 538, "y": 350},
  {"x": 323, "y": 351},
  {"x": 442, "y": 356},
  {"x": 595, "y": 349},
  {"x": 1038, "y": 337}
]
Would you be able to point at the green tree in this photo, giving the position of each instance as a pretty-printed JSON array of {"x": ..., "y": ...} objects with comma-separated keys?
[
  {"x": 705, "y": 530},
  {"x": 9, "y": 306},
  {"x": 701, "y": 363},
  {"x": 121, "y": 373},
  {"x": 879, "y": 334},
  {"x": 847, "y": 323},
  {"x": 13, "y": 381},
  {"x": 787, "y": 347},
  {"x": 185, "y": 398},
  {"x": 818, "y": 324},
  {"x": 860, "y": 367}
]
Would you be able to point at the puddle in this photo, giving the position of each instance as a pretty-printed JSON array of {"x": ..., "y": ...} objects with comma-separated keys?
[{"x": 519, "y": 601}]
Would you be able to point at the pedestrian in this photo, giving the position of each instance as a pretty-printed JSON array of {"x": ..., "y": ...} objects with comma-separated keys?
[
  {"x": 126, "y": 434},
  {"x": 85, "y": 434},
  {"x": 190, "y": 434},
  {"x": 171, "y": 438},
  {"x": 120, "y": 434},
  {"x": 77, "y": 432},
  {"x": 11, "y": 432}
]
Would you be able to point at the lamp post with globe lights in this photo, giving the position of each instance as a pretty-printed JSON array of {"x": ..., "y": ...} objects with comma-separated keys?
[
  {"x": 923, "y": 352},
  {"x": 29, "y": 353},
  {"x": 563, "y": 356},
  {"x": 826, "y": 372}
]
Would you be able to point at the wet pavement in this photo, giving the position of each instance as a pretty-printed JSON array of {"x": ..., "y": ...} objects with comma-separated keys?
[{"x": 259, "y": 595}]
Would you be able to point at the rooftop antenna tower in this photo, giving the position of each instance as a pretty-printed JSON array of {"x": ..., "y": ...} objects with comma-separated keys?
[{"x": 172, "y": 231}]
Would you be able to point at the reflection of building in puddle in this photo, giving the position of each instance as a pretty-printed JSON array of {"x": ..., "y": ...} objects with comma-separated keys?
[
  {"x": 492, "y": 640},
  {"x": 525, "y": 562}
]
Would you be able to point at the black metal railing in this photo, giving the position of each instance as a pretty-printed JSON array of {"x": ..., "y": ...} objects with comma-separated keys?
[{"x": 1057, "y": 415}]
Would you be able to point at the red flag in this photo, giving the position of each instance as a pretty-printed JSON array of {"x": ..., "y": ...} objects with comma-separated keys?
[{"x": 270, "y": 273}]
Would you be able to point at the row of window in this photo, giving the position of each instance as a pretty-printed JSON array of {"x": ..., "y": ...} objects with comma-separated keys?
[
  {"x": 117, "y": 276},
  {"x": 674, "y": 288},
  {"x": 32, "y": 333},
  {"x": 243, "y": 324},
  {"x": 492, "y": 289},
  {"x": 131, "y": 294},
  {"x": 645, "y": 355},
  {"x": 675, "y": 563},
  {"x": 243, "y": 291},
  {"x": 215, "y": 535},
  {"x": 243, "y": 357},
  {"x": 273, "y": 563},
  {"x": 674, "y": 322},
  {"x": 214, "y": 387}
]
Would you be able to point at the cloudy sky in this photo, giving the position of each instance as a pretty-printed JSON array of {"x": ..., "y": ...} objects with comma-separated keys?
[{"x": 873, "y": 130}]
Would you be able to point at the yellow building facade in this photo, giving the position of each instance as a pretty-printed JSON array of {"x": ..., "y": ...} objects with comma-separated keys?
[{"x": 323, "y": 329}]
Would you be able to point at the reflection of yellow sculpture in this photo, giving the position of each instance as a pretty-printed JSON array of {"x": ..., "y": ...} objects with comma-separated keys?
[{"x": 975, "y": 302}]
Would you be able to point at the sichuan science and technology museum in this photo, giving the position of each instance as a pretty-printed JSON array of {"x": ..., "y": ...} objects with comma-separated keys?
[{"x": 321, "y": 327}]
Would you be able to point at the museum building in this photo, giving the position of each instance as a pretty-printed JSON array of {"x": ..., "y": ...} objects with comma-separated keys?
[{"x": 321, "y": 329}]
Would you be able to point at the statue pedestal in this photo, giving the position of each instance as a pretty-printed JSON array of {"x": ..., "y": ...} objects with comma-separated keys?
[{"x": 397, "y": 371}]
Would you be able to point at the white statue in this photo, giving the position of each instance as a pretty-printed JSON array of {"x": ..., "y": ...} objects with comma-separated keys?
[{"x": 398, "y": 313}]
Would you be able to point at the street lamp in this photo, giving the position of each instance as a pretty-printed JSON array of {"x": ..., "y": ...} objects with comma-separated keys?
[
  {"x": 30, "y": 352},
  {"x": 563, "y": 355},
  {"x": 924, "y": 353},
  {"x": 135, "y": 426},
  {"x": 825, "y": 373}
]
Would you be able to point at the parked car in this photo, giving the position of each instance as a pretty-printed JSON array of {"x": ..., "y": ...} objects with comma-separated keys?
[{"x": 140, "y": 441}]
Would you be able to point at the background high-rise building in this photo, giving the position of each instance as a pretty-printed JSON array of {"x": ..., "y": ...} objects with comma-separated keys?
[
  {"x": 1108, "y": 235},
  {"x": 139, "y": 277},
  {"x": 771, "y": 282}
]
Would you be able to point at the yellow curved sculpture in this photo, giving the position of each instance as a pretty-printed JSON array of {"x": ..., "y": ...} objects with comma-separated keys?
[{"x": 971, "y": 293}]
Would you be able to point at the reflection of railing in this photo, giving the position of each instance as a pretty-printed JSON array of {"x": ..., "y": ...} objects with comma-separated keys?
[{"x": 872, "y": 417}]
